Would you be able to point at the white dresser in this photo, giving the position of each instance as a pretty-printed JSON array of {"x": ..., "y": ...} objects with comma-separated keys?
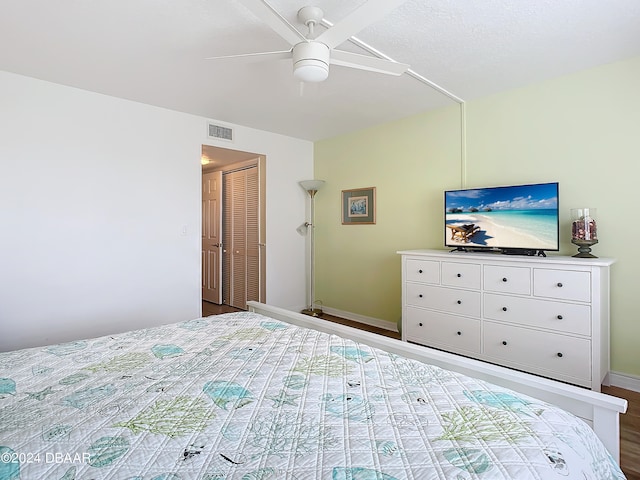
[{"x": 543, "y": 315}]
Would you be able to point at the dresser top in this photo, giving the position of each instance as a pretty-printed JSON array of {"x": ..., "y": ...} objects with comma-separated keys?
[{"x": 550, "y": 259}]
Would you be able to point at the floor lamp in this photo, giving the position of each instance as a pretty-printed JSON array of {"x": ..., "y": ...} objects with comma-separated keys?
[{"x": 311, "y": 186}]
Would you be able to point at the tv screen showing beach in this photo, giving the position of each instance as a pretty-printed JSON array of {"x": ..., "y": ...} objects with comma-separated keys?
[{"x": 512, "y": 217}]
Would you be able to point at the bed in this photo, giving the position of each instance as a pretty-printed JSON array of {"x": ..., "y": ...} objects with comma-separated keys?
[{"x": 272, "y": 394}]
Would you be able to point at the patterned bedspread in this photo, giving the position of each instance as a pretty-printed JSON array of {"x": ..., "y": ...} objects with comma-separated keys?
[{"x": 242, "y": 396}]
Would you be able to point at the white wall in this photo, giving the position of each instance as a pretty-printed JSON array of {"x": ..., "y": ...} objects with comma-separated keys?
[{"x": 95, "y": 196}]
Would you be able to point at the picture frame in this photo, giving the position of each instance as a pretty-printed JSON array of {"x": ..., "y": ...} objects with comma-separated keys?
[{"x": 359, "y": 206}]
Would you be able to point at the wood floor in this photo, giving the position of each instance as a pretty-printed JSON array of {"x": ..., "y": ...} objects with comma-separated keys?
[
  {"x": 629, "y": 432},
  {"x": 629, "y": 422},
  {"x": 215, "y": 309}
]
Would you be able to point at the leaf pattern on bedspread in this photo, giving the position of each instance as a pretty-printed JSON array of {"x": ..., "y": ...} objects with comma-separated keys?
[
  {"x": 279, "y": 434},
  {"x": 329, "y": 365},
  {"x": 176, "y": 417},
  {"x": 106, "y": 450},
  {"x": 410, "y": 373},
  {"x": 247, "y": 334},
  {"x": 73, "y": 378},
  {"x": 122, "y": 363},
  {"x": 88, "y": 396},
  {"x": 470, "y": 424},
  {"x": 20, "y": 415}
]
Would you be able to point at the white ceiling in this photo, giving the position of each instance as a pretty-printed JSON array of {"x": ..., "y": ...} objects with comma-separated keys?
[{"x": 153, "y": 51}]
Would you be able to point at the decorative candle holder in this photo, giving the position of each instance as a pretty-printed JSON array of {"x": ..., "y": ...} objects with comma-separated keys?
[{"x": 584, "y": 232}]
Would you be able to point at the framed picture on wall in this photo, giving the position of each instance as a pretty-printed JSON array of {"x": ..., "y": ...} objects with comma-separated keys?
[{"x": 359, "y": 206}]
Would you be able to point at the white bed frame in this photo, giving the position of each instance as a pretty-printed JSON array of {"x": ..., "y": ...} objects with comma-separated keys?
[{"x": 599, "y": 410}]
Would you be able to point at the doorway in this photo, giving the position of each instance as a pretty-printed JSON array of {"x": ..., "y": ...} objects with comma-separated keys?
[{"x": 233, "y": 227}]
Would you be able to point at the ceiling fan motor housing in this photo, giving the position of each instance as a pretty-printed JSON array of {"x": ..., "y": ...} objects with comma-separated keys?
[{"x": 311, "y": 61}]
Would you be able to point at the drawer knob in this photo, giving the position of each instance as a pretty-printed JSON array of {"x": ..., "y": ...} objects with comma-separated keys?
[
  {"x": 504, "y": 342},
  {"x": 419, "y": 271},
  {"x": 459, "y": 275},
  {"x": 504, "y": 309},
  {"x": 420, "y": 295},
  {"x": 560, "y": 354},
  {"x": 420, "y": 324},
  {"x": 559, "y": 284},
  {"x": 559, "y": 317},
  {"x": 459, "y": 302},
  {"x": 459, "y": 333},
  {"x": 504, "y": 279}
]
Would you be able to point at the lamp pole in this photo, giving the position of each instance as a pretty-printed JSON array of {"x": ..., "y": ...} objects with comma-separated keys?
[{"x": 312, "y": 186}]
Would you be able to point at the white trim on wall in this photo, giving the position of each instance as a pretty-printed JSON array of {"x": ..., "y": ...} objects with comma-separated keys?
[
  {"x": 374, "y": 322},
  {"x": 624, "y": 380}
]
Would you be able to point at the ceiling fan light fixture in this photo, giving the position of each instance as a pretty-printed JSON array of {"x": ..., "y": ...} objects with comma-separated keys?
[
  {"x": 311, "y": 61},
  {"x": 311, "y": 71}
]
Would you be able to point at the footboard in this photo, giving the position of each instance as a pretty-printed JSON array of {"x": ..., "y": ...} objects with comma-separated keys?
[{"x": 599, "y": 410}]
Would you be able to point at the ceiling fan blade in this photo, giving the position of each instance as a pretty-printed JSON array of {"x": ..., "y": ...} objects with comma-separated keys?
[
  {"x": 365, "y": 62},
  {"x": 369, "y": 13},
  {"x": 265, "y": 12},
  {"x": 254, "y": 57}
]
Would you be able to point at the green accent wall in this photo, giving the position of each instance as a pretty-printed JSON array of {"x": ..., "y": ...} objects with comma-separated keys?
[
  {"x": 582, "y": 130},
  {"x": 408, "y": 161}
]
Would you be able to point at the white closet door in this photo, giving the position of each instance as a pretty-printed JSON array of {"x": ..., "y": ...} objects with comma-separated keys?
[
  {"x": 253, "y": 235},
  {"x": 241, "y": 261}
]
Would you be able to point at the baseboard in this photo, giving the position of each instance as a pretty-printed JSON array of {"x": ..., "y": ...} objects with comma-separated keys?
[
  {"x": 374, "y": 322},
  {"x": 624, "y": 380}
]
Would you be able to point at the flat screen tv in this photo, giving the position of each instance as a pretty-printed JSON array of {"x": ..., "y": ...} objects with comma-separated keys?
[{"x": 514, "y": 219}]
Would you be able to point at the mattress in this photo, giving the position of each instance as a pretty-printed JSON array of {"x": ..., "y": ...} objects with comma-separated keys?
[{"x": 243, "y": 396}]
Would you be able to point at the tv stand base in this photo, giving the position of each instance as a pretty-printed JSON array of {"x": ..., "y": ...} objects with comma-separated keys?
[
  {"x": 523, "y": 251},
  {"x": 505, "y": 251}
]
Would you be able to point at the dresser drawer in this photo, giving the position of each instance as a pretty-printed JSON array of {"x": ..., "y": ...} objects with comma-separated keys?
[
  {"x": 440, "y": 330},
  {"x": 547, "y": 314},
  {"x": 463, "y": 275},
  {"x": 562, "y": 284},
  {"x": 498, "y": 278},
  {"x": 427, "y": 271},
  {"x": 451, "y": 300},
  {"x": 546, "y": 353}
]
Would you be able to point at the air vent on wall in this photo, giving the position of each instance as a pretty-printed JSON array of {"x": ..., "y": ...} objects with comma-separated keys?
[{"x": 220, "y": 132}]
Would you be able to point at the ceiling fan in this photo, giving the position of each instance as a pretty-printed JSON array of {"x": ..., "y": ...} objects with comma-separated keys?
[{"x": 312, "y": 56}]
